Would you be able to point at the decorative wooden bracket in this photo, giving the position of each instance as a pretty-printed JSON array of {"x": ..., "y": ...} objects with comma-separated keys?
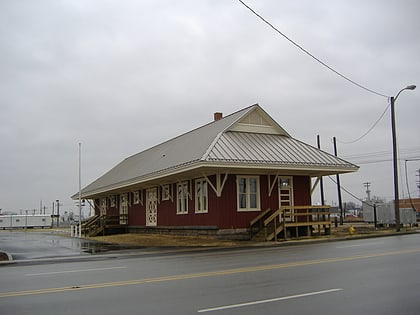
[
  {"x": 318, "y": 179},
  {"x": 271, "y": 185},
  {"x": 95, "y": 204},
  {"x": 169, "y": 191},
  {"x": 220, "y": 184}
]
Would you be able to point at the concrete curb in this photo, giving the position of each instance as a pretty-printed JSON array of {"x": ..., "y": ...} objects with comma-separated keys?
[{"x": 339, "y": 238}]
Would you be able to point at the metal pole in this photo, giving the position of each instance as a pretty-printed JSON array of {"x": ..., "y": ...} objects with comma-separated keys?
[
  {"x": 58, "y": 212},
  {"x": 340, "y": 203},
  {"x": 395, "y": 163},
  {"x": 80, "y": 190},
  {"x": 321, "y": 182},
  {"x": 52, "y": 214},
  {"x": 395, "y": 157},
  {"x": 375, "y": 219}
]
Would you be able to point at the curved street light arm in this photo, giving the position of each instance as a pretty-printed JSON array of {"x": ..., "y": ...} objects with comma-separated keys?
[{"x": 408, "y": 87}]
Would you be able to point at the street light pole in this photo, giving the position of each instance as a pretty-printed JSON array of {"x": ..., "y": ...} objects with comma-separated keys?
[{"x": 395, "y": 158}]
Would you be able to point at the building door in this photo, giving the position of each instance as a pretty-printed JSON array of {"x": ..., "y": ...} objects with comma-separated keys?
[
  {"x": 286, "y": 196},
  {"x": 124, "y": 209},
  {"x": 151, "y": 207}
]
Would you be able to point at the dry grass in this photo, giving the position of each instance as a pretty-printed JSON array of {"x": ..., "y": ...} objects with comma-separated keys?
[{"x": 161, "y": 240}]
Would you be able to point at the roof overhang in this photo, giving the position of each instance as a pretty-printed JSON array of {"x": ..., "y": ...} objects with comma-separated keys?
[{"x": 199, "y": 169}]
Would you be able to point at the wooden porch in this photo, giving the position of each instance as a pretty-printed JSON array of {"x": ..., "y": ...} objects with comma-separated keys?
[{"x": 291, "y": 221}]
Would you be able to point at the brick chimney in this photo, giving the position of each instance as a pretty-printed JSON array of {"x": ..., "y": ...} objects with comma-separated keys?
[{"x": 218, "y": 116}]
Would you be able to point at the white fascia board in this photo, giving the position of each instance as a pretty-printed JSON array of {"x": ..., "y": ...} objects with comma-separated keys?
[{"x": 310, "y": 170}]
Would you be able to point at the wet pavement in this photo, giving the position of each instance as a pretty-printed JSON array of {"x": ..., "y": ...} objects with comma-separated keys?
[
  {"x": 49, "y": 244},
  {"x": 23, "y": 245}
]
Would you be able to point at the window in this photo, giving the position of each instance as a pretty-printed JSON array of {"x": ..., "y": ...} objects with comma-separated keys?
[
  {"x": 248, "y": 193},
  {"x": 284, "y": 182},
  {"x": 182, "y": 198},
  {"x": 201, "y": 204},
  {"x": 112, "y": 198},
  {"x": 136, "y": 197},
  {"x": 165, "y": 192},
  {"x": 124, "y": 208},
  {"x": 102, "y": 206}
]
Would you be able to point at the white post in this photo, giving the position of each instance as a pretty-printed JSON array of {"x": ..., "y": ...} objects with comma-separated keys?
[{"x": 80, "y": 189}]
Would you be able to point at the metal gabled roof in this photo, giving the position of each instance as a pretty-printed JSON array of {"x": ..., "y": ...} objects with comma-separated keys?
[
  {"x": 181, "y": 150},
  {"x": 249, "y": 136},
  {"x": 244, "y": 147}
]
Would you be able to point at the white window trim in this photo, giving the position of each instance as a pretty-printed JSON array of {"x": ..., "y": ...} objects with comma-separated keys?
[
  {"x": 185, "y": 194},
  {"x": 258, "y": 208},
  {"x": 166, "y": 192},
  {"x": 113, "y": 202},
  {"x": 200, "y": 182},
  {"x": 124, "y": 208},
  {"x": 103, "y": 206},
  {"x": 136, "y": 197}
]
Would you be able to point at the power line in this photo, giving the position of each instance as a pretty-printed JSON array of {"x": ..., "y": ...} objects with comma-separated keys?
[
  {"x": 350, "y": 193},
  {"x": 410, "y": 154},
  {"x": 370, "y": 129},
  {"x": 310, "y": 54},
  {"x": 415, "y": 149}
]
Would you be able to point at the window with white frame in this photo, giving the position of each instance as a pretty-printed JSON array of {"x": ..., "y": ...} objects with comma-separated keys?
[
  {"x": 165, "y": 192},
  {"x": 201, "y": 201},
  {"x": 182, "y": 198},
  {"x": 136, "y": 197},
  {"x": 112, "y": 201},
  {"x": 248, "y": 193},
  {"x": 124, "y": 208},
  {"x": 102, "y": 206}
]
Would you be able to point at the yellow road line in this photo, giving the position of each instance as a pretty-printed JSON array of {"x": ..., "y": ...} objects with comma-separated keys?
[{"x": 206, "y": 274}]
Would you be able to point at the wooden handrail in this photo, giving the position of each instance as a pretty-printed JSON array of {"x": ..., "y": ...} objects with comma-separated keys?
[
  {"x": 282, "y": 210},
  {"x": 271, "y": 217},
  {"x": 259, "y": 217}
]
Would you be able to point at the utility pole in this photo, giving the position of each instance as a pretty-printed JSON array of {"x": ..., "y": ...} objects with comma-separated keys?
[
  {"x": 418, "y": 181},
  {"x": 340, "y": 203},
  {"x": 58, "y": 212},
  {"x": 321, "y": 182},
  {"x": 367, "y": 184},
  {"x": 52, "y": 213}
]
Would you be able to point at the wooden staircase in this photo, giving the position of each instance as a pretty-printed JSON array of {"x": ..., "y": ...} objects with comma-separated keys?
[
  {"x": 98, "y": 225},
  {"x": 93, "y": 226},
  {"x": 256, "y": 227},
  {"x": 290, "y": 220}
]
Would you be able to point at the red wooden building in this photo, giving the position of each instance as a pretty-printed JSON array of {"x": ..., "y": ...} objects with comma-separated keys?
[{"x": 221, "y": 178}]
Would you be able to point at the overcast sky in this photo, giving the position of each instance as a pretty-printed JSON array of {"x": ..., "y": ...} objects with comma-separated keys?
[{"x": 122, "y": 76}]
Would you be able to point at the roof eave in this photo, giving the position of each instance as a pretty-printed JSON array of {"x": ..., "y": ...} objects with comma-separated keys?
[{"x": 284, "y": 168}]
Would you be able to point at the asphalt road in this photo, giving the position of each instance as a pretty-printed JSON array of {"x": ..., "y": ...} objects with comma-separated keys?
[{"x": 371, "y": 276}]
